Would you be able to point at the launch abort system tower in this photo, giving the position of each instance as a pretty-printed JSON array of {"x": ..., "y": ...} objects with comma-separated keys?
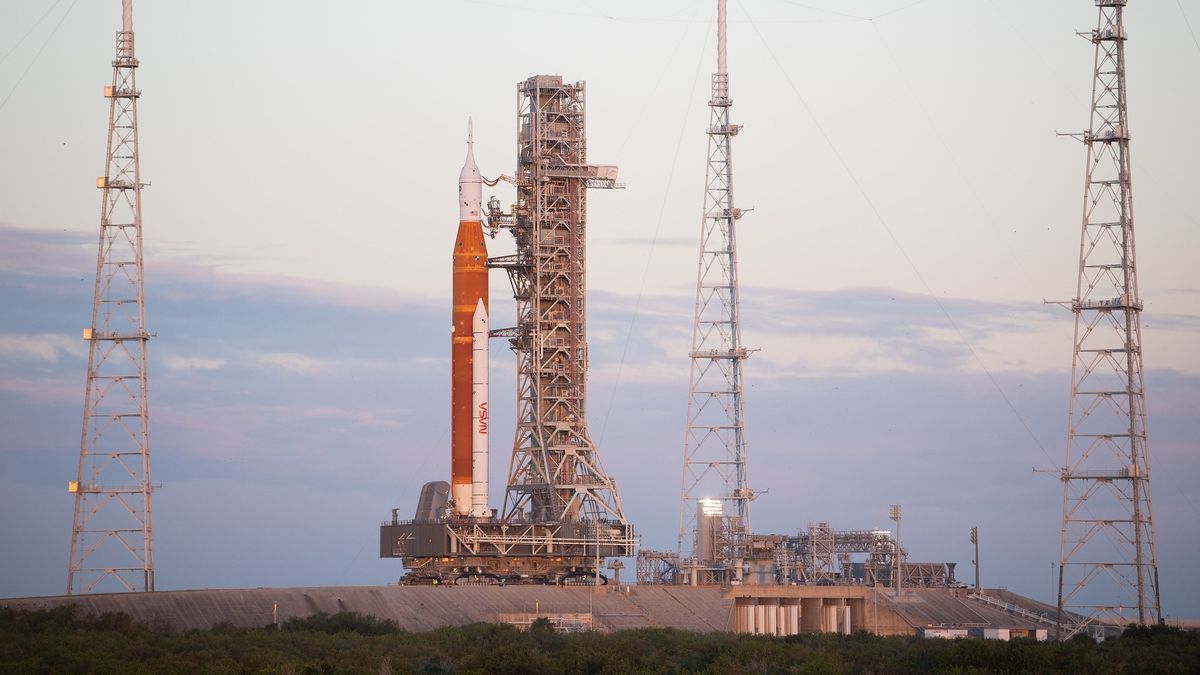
[
  {"x": 562, "y": 514},
  {"x": 112, "y": 542},
  {"x": 1108, "y": 569}
]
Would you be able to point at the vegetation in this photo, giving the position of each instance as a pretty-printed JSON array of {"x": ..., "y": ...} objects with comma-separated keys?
[{"x": 62, "y": 641}]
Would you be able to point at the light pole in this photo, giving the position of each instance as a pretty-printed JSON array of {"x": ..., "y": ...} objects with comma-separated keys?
[
  {"x": 975, "y": 540},
  {"x": 894, "y": 514}
]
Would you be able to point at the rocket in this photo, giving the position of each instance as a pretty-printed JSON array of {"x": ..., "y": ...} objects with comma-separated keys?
[{"x": 469, "y": 349}]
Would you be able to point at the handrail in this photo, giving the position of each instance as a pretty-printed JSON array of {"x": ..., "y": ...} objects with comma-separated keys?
[{"x": 1017, "y": 609}]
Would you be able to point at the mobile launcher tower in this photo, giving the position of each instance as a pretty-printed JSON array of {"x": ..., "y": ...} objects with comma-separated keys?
[{"x": 562, "y": 515}]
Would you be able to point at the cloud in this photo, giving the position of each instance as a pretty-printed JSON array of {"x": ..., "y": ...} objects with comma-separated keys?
[
  {"x": 651, "y": 241},
  {"x": 185, "y": 363},
  {"x": 847, "y": 332},
  {"x": 295, "y": 363},
  {"x": 42, "y": 347},
  {"x": 190, "y": 280},
  {"x": 1172, "y": 322},
  {"x": 182, "y": 276},
  {"x": 303, "y": 364},
  {"x": 801, "y": 333},
  {"x": 46, "y": 252},
  {"x": 57, "y": 388}
]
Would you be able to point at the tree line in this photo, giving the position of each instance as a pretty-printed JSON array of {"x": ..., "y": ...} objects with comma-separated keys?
[{"x": 63, "y": 640}]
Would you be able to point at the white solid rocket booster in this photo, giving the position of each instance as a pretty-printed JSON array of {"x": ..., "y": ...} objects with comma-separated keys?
[{"x": 479, "y": 412}]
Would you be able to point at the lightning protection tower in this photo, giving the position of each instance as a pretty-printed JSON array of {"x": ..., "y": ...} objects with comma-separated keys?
[
  {"x": 714, "y": 518},
  {"x": 112, "y": 542},
  {"x": 1108, "y": 570}
]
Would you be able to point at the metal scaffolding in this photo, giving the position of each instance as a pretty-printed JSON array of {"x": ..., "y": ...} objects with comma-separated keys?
[
  {"x": 112, "y": 542},
  {"x": 714, "y": 449},
  {"x": 1108, "y": 570},
  {"x": 824, "y": 556},
  {"x": 820, "y": 556},
  {"x": 555, "y": 474}
]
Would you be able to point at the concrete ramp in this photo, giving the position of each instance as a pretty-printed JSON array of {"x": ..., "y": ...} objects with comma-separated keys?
[
  {"x": 414, "y": 608},
  {"x": 423, "y": 608}
]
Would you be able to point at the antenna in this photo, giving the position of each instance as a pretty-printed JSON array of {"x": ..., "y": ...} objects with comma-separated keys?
[
  {"x": 112, "y": 542},
  {"x": 1107, "y": 559},
  {"x": 714, "y": 510}
]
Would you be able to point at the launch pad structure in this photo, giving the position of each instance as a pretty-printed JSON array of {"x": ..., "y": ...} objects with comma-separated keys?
[
  {"x": 562, "y": 514},
  {"x": 562, "y": 517}
]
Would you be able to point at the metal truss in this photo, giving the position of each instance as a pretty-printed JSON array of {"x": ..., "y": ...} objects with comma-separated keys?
[
  {"x": 818, "y": 556},
  {"x": 1108, "y": 570},
  {"x": 464, "y": 550},
  {"x": 657, "y": 567},
  {"x": 721, "y": 556},
  {"x": 535, "y": 539},
  {"x": 714, "y": 449},
  {"x": 112, "y": 543},
  {"x": 824, "y": 555},
  {"x": 926, "y": 574},
  {"x": 555, "y": 475},
  {"x": 822, "y": 552}
]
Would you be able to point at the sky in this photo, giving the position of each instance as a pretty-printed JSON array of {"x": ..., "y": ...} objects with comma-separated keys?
[{"x": 913, "y": 210}]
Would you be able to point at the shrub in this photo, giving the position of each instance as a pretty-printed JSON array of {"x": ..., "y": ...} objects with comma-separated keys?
[{"x": 342, "y": 622}]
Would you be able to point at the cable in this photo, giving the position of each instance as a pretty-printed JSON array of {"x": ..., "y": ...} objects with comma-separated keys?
[
  {"x": 637, "y": 305},
  {"x": 1065, "y": 84},
  {"x": 1188, "y": 24},
  {"x": 38, "y": 55},
  {"x": 895, "y": 240},
  {"x": 646, "y": 103},
  {"x": 850, "y": 16},
  {"x": 825, "y": 11},
  {"x": 30, "y": 31},
  {"x": 667, "y": 18},
  {"x": 896, "y": 10},
  {"x": 592, "y": 15},
  {"x": 403, "y": 493},
  {"x": 958, "y": 169}
]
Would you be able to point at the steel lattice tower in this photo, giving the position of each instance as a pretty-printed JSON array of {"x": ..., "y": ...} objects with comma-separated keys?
[
  {"x": 112, "y": 543},
  {"x": 555, "y": 475},
  {"x": 1108, "y": 568},
  {"x": 714, "y": 454}
]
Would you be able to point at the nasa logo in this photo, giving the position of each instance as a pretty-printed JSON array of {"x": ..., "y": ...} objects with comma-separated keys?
[{"x": 483, "y": 418}]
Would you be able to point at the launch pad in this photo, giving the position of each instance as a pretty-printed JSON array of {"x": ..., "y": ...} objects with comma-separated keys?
[
  {"x": 468, "y": 551},
  {"x": 562, "y": 515}
]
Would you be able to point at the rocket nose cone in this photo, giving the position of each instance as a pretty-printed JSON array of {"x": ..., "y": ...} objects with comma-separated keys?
[
  {"x": 470, "y": 183},
  {"x": 480, "y": 317},
  {"x": 470, "y": 172}
]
